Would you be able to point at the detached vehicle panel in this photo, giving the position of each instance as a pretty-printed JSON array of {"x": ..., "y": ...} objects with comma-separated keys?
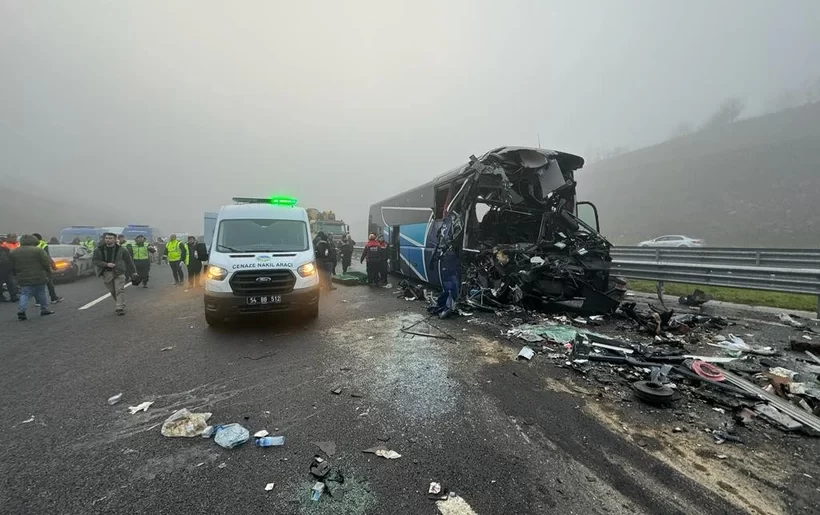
[{"x": 503, "y": 229}]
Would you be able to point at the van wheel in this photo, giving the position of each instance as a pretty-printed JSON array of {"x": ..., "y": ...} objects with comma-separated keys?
[
  {"x": 213, "y": 321},
  {"x": 312, "y": 313}
]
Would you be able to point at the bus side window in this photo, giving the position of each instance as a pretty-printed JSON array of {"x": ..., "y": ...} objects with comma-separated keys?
[{"x": 442, "y": 197}]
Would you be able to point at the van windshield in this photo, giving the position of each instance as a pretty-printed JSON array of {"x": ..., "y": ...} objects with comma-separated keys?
[{"x": 261, "y": 235}]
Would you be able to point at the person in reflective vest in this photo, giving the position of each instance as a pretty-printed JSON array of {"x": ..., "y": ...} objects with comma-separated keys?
[
  {"x": 192, "y": 260},
  {"x": 41, "y": 244},
  {"x": 174, "y": 252},
  {"x": 89, "y": 244},
  {"x": 141, "y": 254}
]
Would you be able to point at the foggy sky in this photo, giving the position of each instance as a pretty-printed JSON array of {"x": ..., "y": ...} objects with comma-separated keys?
[{"x": 341, "y": 104}]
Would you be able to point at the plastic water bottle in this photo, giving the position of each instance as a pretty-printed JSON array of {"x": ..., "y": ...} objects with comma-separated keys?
[{"x": 270, "y": 441}]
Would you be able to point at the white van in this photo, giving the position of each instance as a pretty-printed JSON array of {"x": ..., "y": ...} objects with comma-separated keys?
[{"x": 260, "y": 261}]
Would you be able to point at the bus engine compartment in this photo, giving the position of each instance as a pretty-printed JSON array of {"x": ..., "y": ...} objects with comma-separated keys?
[{"x": 514, "y": 229}]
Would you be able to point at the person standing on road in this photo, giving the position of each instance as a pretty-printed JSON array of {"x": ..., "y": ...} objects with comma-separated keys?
[
  {"x": 121, "y": 241},
  {"x": 371, "y": 254},
  {"x": 41, "y": 243},
  {"x": 346, "y": 250},
  {"x": 7, "y": 275},
  {"x": 89, "y": 244},
  {"x": 324, "y": 260},
  {"x": 32, "y": 268},
  {"x": 384, "y": 251},
  {"x": 11, "y": 242},
  {"x": 114, "y": 264},
  {"x": 172, "y": 249},
  {"x": 141, "y": 254},
  {"x": 192, "y": 262}
]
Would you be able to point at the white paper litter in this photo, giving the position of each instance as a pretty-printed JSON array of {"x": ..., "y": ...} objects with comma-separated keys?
[
  {"x": 269, "y": 487},
  {"x": 143, "y": 406},
  {"x": 261, "y": 434},
  {"x": 390, "y": 455}
]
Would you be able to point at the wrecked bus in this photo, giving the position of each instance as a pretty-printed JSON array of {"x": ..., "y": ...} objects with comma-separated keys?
[{"x": 503, "y": 229}]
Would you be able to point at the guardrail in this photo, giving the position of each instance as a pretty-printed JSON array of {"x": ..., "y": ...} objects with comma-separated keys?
[
  {"x": 771, "y": 269},
  {"x": 781, "y": 270}
]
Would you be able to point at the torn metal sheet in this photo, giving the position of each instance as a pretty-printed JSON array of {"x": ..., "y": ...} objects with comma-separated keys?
[{"x": 807, "y": 419}]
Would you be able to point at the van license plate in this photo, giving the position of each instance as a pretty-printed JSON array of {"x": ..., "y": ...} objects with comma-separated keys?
[{"x": 265, "y": 299}]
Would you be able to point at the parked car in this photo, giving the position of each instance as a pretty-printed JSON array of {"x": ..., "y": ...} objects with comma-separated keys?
[
  {"x": 672, "y": 241},
  {"x": 70, "y": 262}
]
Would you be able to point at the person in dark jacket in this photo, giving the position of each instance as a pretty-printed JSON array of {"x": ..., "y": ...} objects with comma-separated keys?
[
  {"x": 114, "y": 264},
  {"x": 325, "y": 255},
  {"x": 372, "y": 254},
  {"x": 191, "y": 258},
  {"x": 52, "y": 292},
  {"x": 7, "y": 275},
  {"x": 384, "y": 251},
  {"x": 346, "y": 250},
  {"x": 32, "y": 269}
]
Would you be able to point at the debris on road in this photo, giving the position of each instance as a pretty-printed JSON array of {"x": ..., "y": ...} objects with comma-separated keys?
[
  {"x": 166, "y": 348},
  {"x": 222, "y": 465},
  {"x": 337, "y": 390},
  {"x": 317, "y": 491},
  {"x": 785, "y": 318},
  {"x": 454, "y": 505},
  {"x": 183, "y": 423},
  {"x": 319, "y": 467},
  {"x": 388, "y": 454},
  {"x": 526, "y": 352},
  {"x": 114, "y": 399},
  {"x": 270, "y": 441},
  {"x": 695, "y": 299},
  {"x": 653, "y": 393},
  {"x": 28, "y": 420},
  {"x": 209, "y": 431},
  {"x": 261, "y": 434},
  {"x": 328, "y": 448},
  {"x": 143, "y": 406},
  {"x": 269, "y": 487},
  {"x": 231, "y": 435}
]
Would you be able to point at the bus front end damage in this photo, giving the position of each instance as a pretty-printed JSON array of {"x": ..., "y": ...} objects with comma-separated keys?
[{"x": 513, "y": 230}]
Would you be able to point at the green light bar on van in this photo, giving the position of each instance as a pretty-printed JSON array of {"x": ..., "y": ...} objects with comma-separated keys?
[
  {"x": 283, "y": 201},
  {"x": 276, "y": 201}
]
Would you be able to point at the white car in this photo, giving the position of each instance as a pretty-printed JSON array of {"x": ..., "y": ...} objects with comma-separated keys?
[{"x": 672, "y": 241}]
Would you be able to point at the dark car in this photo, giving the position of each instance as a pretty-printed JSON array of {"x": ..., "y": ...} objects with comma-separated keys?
[{"x": 70, "y": 262}]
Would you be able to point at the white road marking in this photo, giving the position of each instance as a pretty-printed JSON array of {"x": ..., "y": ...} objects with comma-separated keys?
[{"x": 97, "y": 301}]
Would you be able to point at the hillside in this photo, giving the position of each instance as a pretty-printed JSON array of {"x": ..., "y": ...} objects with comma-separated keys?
[{"x": 751, "y": 183}]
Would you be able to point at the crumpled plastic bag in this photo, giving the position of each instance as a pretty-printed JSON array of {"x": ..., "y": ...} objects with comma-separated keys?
[
  {"x": 231, "y": 435},
  {"x": 185, "y": 423}
]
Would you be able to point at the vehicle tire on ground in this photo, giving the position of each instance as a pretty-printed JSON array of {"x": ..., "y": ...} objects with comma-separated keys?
[
  {"x": 312, "y": 312},
  {"x": 213, "y": 321}
]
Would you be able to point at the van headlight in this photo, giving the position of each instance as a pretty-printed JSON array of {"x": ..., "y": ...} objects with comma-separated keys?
[
  {"x": 216, "y": 273},
  {"x": 307, "y": 269}
]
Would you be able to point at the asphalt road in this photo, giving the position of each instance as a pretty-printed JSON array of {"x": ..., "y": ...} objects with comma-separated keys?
[{"x": 462, "y": 413}]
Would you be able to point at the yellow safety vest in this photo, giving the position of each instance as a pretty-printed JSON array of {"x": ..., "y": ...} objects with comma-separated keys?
[
  {"x": 187, "y": 254},
  {"x": 89, "y": 244},
  {"x": 140, "y": 252},
  {"x": 172, "y": 247},
  {"x": 42, "y": 245}
]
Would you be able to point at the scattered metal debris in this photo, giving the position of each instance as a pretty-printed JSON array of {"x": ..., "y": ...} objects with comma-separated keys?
[{"x": 114, "y": 399}]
